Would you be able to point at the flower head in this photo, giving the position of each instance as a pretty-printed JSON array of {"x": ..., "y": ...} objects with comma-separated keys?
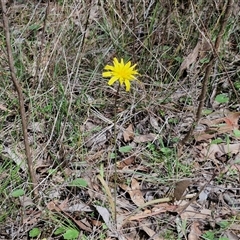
[{"x": 124, "y": 73}]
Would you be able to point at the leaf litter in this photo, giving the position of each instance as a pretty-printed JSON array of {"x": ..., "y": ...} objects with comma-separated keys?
[{"x": 146, "y": 173}]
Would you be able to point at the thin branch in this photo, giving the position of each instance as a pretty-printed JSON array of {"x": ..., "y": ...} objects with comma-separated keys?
[{"x": 20, "y": 97}]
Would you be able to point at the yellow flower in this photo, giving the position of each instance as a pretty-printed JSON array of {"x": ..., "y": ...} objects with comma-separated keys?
[{"x": 124, "y": 73}]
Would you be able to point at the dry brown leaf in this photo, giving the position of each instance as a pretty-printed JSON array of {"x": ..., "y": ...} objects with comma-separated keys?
[
  {"x": 26, "y": 201},
  {"x": 145, "y": 138},
  {"x": 96, "y": 223},
  {"x": 83, "y": 224},
  {"x": 95, "y": 156},
  {"x": 218, "y": 126},
  {"x": 205, "y": 48},
  {"x": 195, "y": 232},
  {"x": 126, "y": 162},
  {"x": 180, "y": 188},
  {"x": 232, "y": 120},
  {"x": 190, "y": 59},
  {"x": 151, "y": 233},
  {"x": 154, "y": 123},
  {"x": 219, "y": 150},
  {"x": 145, "y": 214},
  {"x": 136, "y": 194},
  {"x": 3, "y": 108},
  {"x": 191, "y": 213},
  {"x": 105, "y": 215},
  {"x": 55, "y": 206},
  {"x": 63, "y": 207},
  {"x": 128, "y": 134},
  {"x": 156, "y": 210},
  {"x": 231, "y": 236},
  {"x": 79, "y": 207},
  {"x": 234, "y": 227},
  {"x": 204, "y": 136}
]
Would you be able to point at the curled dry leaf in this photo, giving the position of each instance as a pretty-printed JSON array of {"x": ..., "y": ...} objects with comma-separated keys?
[
  {"x": 154, "y": 123},
  {"x": 105, "y": 215},
  {"x": 136, "y": 194},
  {"x": 126, "y": 162},
  {"x": 190, "y": 59},
  {"x": 128, "y": 134},
  {"x": 195, "y": 232},
  {"x": 180, "y": 188}
]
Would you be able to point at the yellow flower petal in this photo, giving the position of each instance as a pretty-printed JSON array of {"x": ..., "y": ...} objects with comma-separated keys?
[
  {"x": 132, "y": 67},
  {"x": 115, "y": 62},
  {"x": 108, "y": 67},
  {"x": 120, "y": 71},
  {"x": 121, "y": 80},
  {"x": 127, "y": 83},
  {"x": 107, "y": 74},
  {"x": 128, "y": 65},
  {"x": 112, "y": 80}
]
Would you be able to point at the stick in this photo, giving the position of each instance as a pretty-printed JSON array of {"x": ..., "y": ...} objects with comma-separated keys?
[{"x": 20, "y": 98}]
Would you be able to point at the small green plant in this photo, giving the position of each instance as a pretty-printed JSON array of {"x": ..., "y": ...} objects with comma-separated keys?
[
  {"x": 17, "y": 193},
  {"x": 78, "y": 182},
  {"x": 236, "y": 133},
  {"x": 35, "y": 232},
  {"x": 222, "y": 98},
  {"x": 168, "y": 234},
  {"x": 209, "y": 235},
  {"x": 71, "y": 234},
  {"x": 212, "y": 235},
  {"x": 125, "y": 149},
  {"x": 217, "y": 141},
  {"x": 207, "y": 111},
  {"x": 237, "y": 85},
  {"x": 67, "y": 233}
]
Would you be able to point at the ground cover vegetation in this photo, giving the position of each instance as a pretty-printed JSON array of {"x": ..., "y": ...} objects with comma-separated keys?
[{"x": 153, "y": 155}]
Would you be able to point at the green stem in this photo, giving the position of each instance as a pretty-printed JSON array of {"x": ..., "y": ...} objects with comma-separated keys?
[{"x": 115, "y": 156}]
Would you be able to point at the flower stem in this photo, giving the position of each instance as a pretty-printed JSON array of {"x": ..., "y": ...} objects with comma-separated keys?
[{"x": 115, "y": 156}]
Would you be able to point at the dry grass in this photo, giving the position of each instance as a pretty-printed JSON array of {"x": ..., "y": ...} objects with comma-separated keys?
[{"x": 60, "y": 50}]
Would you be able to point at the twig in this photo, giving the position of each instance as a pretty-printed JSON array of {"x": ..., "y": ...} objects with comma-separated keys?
[
  {"x": 208, "y": 69},
  {"x": 115, "y": 153},
  {"x": 20, "y": 97}
]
